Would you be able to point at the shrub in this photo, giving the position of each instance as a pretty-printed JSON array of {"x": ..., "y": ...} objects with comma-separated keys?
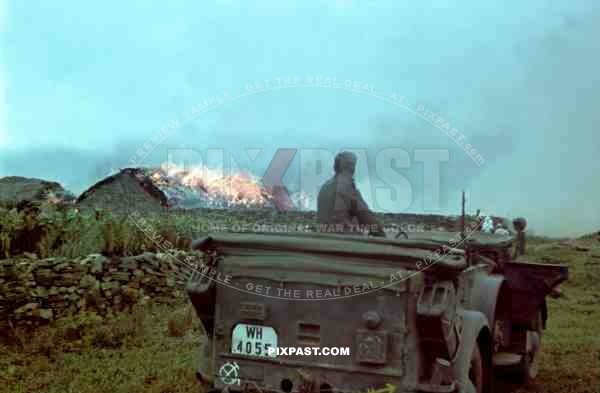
[
  {"x": 11, "y": 223},
  {"x": 52, "y": 230}
]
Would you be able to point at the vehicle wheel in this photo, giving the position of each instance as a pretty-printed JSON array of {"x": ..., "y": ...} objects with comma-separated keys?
[
  {"x": 527, "y": 370},
  {"x": 476, "y": 374}
]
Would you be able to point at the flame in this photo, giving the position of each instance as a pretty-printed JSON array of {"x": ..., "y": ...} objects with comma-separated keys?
[{"x": 201, "y": 186}]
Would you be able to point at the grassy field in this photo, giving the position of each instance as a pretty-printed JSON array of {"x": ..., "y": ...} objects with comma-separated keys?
[
  {"x": 570, "y": 359},
  {"x": 155, "y": 349}
]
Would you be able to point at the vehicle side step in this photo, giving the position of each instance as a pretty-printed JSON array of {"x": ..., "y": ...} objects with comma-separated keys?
[{"x": 507, "y": 359}]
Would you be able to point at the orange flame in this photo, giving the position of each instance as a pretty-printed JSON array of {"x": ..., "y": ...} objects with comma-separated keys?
[{"x": 211, "y": 188}]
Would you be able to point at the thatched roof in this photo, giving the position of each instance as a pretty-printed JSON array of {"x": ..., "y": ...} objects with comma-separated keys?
[
  {"x": 110, "y": 190},
  {"x": 17, "y": 191},
  {"x": 137, "y": 173},
  {"x": 172, "y": 190}
]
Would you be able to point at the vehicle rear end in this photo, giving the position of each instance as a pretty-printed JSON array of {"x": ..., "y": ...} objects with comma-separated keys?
[{"x": 311, "y": 301}]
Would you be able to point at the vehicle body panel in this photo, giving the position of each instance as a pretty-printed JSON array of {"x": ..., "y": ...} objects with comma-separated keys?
[
  {"x": 318, "y": 324},
  {"x": 530, "y": 283},
  {"x": 452, "y": 295}
]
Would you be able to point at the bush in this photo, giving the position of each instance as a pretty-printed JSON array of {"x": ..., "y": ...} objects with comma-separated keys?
[
  {"x": 53, "y": 230},
  {"x": 11, "y": 223}
]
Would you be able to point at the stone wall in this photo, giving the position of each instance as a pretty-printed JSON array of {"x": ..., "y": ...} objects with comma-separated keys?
[
  {"x": 426, "y": 221},
  {"x": 34, "y": 292}
]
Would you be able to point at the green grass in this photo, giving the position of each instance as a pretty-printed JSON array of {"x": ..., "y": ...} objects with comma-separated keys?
[
  {"x": 158, "y": 351},
  {"x": 147, "y": 355},
  {"x": 570, "y": 358}
]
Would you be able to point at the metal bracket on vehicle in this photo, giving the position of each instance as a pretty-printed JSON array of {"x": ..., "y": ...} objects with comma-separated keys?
[{"x": 253, "y": 310}]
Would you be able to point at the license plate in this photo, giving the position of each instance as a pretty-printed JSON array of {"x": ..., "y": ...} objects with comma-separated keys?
[{"x": 253, "y": 340}]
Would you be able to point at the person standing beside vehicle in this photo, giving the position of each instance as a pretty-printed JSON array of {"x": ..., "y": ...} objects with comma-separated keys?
[{"x": 519, "y": 224}]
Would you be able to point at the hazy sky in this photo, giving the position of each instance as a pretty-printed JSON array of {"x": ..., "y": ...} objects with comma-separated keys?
[{"x": 85, "y": 85}]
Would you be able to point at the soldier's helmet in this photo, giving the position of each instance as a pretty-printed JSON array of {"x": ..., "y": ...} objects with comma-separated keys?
[{"x": 345, "y": 162}]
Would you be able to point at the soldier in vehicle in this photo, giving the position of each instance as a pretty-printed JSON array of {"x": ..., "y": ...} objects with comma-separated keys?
[{"x": 340, "y": 206}]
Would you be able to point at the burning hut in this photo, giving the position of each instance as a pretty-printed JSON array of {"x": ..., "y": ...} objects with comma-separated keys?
[{"x": 158, "y": 189}]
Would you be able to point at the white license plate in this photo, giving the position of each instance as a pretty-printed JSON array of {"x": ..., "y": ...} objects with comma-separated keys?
[{"x": 253, "y": 340}]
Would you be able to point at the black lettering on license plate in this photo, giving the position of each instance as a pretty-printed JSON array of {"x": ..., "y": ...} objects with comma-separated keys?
[
  {"x": 254, "y": 332},
  {"x": 254, "y": 348}
]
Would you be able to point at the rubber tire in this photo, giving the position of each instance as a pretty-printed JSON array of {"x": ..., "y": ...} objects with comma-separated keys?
[
  {"x": 527, "y": 370},
  {"x": 476, "y": 372}
]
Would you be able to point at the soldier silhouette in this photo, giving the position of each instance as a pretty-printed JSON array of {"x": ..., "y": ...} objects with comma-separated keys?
[{"x": 340, "y": 206}]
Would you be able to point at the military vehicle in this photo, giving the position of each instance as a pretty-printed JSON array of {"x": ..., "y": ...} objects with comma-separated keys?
[{"x": 430, "y": 312}]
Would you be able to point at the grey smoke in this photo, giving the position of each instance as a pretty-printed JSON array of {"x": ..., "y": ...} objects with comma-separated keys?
[{"x": 524, "y": 92}]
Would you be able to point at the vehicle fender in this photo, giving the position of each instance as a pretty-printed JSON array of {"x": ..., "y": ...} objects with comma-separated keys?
[
  {"x": 475, "y": 331},
  {"x": 491, "y": 295}
]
